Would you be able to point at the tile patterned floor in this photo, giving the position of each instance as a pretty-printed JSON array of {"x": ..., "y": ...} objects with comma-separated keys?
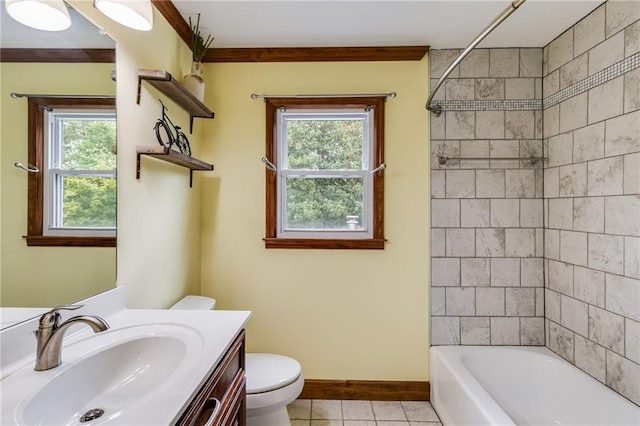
[{"x": 322, "y": 412}]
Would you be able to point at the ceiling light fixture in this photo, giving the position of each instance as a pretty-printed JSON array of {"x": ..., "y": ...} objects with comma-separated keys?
[
  {"x": 47, "y": 15},
  {"x": 136, "y": 14}
]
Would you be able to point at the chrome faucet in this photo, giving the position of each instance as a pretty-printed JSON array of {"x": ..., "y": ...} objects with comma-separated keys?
[{"x": 50, "y": 333}]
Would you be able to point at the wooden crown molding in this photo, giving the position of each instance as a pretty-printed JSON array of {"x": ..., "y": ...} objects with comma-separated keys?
[
  {"x": 58, "y": 55},
  {"x": 366, "y": 390},
  {"x": 317, "y": 54},
  {"x": 290, "y": 54}
]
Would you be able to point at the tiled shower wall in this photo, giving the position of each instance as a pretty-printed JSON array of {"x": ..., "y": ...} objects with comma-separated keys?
[
  {"x": 592, "y": 195},
  {"x": 487, "y": 215}
]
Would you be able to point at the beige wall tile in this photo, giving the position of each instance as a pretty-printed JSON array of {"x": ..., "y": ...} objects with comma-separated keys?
[
  {"x": 561, "y": 50},
  {"x": 520, "y": 183},
  {"x": 439, "y": 61},
  {"x": 520, "y": 124},
  {"x": 632, "y": 340},
  {"x": 505, "y": 213},
  {"x": 532, "y": 331},
  {"x": 560, "y": 149},
  {"x": 504, "y": 62},
  {"x": 573, "y": 180},
  {"x": 490, "y": 183},
  {"x": 588, "y": 143},
  {"x": 460, "y": 242},
  {"x": 574, "y": 315},
  {"x": 573, "y": 113},
  {"x": 589, "y": 31},
  {"x": 460, "y": 89},
  {"x": 561, "y": 213},
  {"x": 632, "y": 257},
  {"x": 552, "y": 305},
  {"x": 574, "y": 71},
  {"x": 460, "y": 301},
  {"x": 489, "y": 301},
  {"x": 552, "y": 182},
  {"x": 437, "y": 242},
  {"x": 475, "y": 272},
  {"x": 531, "y": 272},
  {"x": 590, "y": 357},
  {"x": 605, "y": 101},
  {"x": 505, "y": 331},
  {"x": 445, "y": 213},
  {"x": 519, "y": 88},
  {"x": 436, "y": 295},
  {"x": 561, "y": 277},
  {"x": 632, "y": 39},
  {"x": 573, "y": 247},
  {"x": 531, "y": 62},
  {"x": 520, "y": 242},
  {"x": 490, "y": 124},
  {"x": 445, "y": 272},
  {"x": 622, "y": 215},
  {"x": 438, "y": 184},
  {"x": 474, "y": 213},
  {"x": 561, "y": 341},
  {"x": 520, "y": 302},
  {"x": 620, "y": 14},
  {"x": 623, "y": 134},
  {"x": 444, "y": 331},
  {"x": 623, "y": 296},
  {"x": 552, "y": 244},
  {"x": 490, "y": 242},
  {"x": 606, "y": 253},
  {"x": 605, "y": 177},
  {"x": 460, "y": 124},
  {"x": 632, "y": 90},
  {"x": 505, "y": 272},
  {"x": 551, "y": 119},
  {"x": 623, "y": 376},
  {"x": 531, "y": 213},
  {"x": 588, "y": 214},
  {"x": 588, "y": 286},
  {"x": 606, "y": 53},
  {"x": 475, "y": 64},
  {"x": 460, "y": 183},
  {"x": 490, "y": 88},
  {"x": 475, "y": 331}
]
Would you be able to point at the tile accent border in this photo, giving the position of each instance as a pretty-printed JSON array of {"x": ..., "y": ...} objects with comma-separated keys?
[
  {"x": 490, "y": 105},
  {"x": 601, "y": 77},
  {"x": 365, "y": 390}
]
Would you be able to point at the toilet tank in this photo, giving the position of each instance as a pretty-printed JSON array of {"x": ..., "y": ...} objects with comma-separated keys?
[{"x": 194, "y": 303}]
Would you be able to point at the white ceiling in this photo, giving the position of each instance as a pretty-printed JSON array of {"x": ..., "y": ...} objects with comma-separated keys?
[
  {"x": 309, "y": 23},
  {"x": 437, "y": 23}
]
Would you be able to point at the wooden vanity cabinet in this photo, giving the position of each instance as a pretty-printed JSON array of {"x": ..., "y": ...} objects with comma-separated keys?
[{"x": 221, "y": 401}]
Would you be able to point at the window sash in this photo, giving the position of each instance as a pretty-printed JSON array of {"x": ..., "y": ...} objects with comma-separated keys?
[
  {"x": 54, "y": 175},
  {"x": 284, "y": 172}
]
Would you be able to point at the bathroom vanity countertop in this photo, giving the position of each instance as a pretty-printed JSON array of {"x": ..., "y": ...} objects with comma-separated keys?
[{"x": 208, "y": 336}]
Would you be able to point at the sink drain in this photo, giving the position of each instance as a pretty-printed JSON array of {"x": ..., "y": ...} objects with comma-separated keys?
[{"x": 91, "y": 415}]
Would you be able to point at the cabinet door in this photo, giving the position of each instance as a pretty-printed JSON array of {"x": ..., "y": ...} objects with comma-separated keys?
[{"x": 221, "y": 392}]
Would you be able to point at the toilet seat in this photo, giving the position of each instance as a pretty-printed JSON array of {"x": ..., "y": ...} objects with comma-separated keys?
[{"x": 268, "y": 372}]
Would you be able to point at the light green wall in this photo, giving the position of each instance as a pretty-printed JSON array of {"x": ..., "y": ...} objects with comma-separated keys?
[
  {"x": 43, "y": 276},
  {"x": 352, "y": 314}
]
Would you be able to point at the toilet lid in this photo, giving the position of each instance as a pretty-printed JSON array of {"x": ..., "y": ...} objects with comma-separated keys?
[{"x": 266, "y": 372}]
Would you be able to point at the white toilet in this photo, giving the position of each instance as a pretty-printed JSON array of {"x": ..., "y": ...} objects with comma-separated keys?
[{"x": 273, "y": 381}]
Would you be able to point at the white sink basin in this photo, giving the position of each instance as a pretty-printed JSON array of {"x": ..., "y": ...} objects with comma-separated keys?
[{"x": 112, "y": 371}]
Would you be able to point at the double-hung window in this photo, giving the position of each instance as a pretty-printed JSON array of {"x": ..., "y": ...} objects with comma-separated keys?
[
  {"x": 72, "y": 200},
  {"x": 325, "y": 189}
]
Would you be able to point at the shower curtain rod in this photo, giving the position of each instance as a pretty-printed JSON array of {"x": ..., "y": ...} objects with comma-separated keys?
[
  {"x": 36, "y": 95},
  {"x": 437, "y": 109}
]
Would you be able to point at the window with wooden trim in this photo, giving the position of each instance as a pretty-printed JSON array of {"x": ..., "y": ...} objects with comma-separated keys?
[
  {"x": 325, "y": 189},
  {"x": 72, "y": 199}
]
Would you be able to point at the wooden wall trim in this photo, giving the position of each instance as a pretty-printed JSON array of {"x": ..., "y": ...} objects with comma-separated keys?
[
  {"x": 58, "y": 55},
  {"x": 316, "y": 54},
  {"x": 172, "y": 15},
  {"x": 367, "y": 390}
]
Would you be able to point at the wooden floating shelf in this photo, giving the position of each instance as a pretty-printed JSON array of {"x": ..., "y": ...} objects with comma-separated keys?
[
  {"x": 167, "y": 84},
  {"x": 170, "y": 156}
]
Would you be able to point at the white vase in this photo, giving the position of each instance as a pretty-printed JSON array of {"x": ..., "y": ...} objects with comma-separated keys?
[{"x": 194, "y": 81}]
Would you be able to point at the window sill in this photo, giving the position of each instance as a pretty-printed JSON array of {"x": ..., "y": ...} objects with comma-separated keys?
[
  {"x": 300, "y": 243},
  {"x": 57, "y": 241}
]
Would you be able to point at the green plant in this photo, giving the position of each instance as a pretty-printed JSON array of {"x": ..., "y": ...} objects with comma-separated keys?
[{"x": 199, "y": 45}]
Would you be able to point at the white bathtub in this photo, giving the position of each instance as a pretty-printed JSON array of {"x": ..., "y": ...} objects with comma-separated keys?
[{"x": 482, "y": 385}]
